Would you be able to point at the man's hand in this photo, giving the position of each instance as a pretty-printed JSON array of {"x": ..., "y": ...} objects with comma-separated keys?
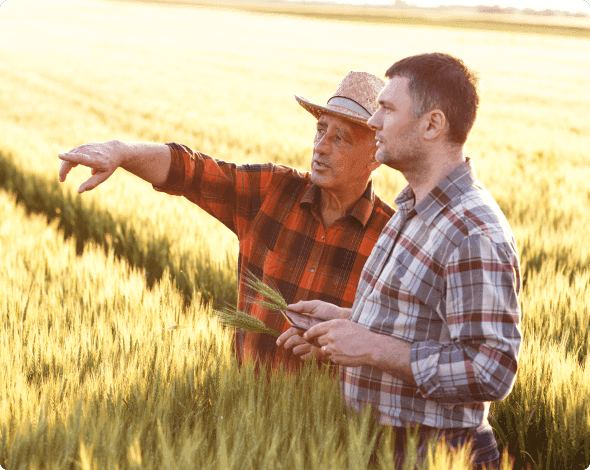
[
  {"x": 292, "y": 339},
  {"x": 102, "y": 159},
  {"x": 347, "y": 343},
  {"x": 149, "y": 161},
  {"x": 319, "y": 309}
]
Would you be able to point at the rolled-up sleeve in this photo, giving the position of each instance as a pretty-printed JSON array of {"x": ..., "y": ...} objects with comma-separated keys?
[
  {"x": 230, "y": 193},
  {"x": 483, "y": 316}
]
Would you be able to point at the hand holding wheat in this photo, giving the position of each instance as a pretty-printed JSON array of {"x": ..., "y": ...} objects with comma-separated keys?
[{"x": 319, "y": 309}]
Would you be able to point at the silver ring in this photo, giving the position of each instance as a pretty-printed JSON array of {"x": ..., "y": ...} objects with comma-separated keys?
[{"x": 324, "y": 349}]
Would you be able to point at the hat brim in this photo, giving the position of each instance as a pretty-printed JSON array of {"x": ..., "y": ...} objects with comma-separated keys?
[{"x": 317, "y": 111}]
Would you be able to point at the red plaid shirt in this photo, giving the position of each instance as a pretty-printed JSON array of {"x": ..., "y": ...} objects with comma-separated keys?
[{"x": 275, "y": 212}]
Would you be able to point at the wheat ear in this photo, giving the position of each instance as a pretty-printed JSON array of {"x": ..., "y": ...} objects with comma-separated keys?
[{"x": 238, "y": 319}]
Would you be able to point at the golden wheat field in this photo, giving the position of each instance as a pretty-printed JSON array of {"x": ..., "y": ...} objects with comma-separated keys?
[{"x": 110, "y": 356}]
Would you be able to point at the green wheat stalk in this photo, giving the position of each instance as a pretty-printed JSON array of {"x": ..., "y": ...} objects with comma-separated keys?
[
  {"x": 275, "y": 300},
  {"x": 238, "y": 319}
]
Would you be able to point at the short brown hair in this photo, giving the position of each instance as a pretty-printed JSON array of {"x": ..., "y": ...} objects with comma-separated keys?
[{"x": 440, "y": 81}]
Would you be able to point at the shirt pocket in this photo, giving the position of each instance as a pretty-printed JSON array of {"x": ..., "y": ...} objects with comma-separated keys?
[
  {"x": 407, "y": 309},
  {"x": 416, "y": 278},
  {"x": 280, "y": 274}
]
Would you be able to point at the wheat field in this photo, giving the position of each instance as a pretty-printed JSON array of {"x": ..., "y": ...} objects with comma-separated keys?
[{"x": 94, "y": 377}]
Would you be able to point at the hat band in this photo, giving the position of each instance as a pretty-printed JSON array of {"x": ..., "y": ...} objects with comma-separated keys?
[{"x": 350, "y": 105}]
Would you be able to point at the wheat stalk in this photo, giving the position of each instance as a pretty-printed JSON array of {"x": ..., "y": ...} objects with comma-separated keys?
[
  {"x": 276, "y": 300},
  {"x": 238, "y": 319}
]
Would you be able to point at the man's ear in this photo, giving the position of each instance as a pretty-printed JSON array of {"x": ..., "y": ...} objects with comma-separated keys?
[{"x": 434, "y": 123}]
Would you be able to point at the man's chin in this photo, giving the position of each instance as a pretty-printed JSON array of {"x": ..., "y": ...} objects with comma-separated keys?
[
  {"x": 386, "y": 159},
  {"x": 317, "y": 179},
  {"x": 382, "y": 157}
]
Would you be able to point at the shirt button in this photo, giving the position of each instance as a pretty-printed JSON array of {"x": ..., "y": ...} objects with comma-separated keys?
[
  {"x": 312, "y": 270},
  {"x": 322, "y": 237}
]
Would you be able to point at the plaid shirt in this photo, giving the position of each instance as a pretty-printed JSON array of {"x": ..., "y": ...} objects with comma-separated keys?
[
  {"x": 274, "y": 210},
  {"x": 444, "y": 275}
]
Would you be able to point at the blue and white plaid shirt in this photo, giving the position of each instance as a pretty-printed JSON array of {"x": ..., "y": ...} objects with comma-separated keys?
[{"x": 444, "y": 275}]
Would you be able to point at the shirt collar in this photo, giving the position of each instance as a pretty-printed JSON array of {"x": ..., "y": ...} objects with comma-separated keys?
[
  {"x": 451, "y": 186},
  {"x": 361, "y": 211}
]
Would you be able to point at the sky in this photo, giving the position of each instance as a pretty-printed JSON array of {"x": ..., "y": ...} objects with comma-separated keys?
[{"x": 571, "y": 5}]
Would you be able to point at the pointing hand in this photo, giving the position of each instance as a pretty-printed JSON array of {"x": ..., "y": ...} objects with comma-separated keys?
[{"x": 102, "y": 159}]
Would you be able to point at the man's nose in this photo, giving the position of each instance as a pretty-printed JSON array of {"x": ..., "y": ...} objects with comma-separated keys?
[
  {"x": 373, "y": 121},
  {"x": 322, "y": 145}
]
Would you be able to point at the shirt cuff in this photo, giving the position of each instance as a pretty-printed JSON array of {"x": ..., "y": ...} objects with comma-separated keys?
[
  {"x": 174, "y": 184},
  {"x": 424, "y": 357}
]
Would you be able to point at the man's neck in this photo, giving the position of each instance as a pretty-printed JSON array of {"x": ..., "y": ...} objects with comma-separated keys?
[
  {"x": 336, "y": 204},
  {"x": 425, "y": 177}
]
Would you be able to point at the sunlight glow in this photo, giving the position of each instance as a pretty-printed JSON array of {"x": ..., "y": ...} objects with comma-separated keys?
[{"x": 539, "y": 5}]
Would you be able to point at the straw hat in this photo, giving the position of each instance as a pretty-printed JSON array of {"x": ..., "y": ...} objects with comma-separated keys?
[{"x": 354, "y": 99}]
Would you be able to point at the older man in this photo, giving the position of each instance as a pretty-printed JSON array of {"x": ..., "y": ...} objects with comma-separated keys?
[
  {"x": 433, "y": 335},
  {"x": 307, "y": 234}
]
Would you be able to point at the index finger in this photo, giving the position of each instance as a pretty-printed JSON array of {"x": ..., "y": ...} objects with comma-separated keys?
[
  {"x": 304, "y": 306},
  {"x": 287, "y": 334},
  {"x": 318, "y": 330},
  {"x": 74, "y": 157}
]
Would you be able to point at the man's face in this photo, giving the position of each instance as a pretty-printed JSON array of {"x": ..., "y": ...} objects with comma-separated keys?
[
  {"x": 396, "y": 129},
  {"x": 342, "y": 153}
]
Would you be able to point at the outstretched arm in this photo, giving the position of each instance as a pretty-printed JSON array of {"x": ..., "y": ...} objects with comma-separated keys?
[{"x": 149, "y": 161}]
